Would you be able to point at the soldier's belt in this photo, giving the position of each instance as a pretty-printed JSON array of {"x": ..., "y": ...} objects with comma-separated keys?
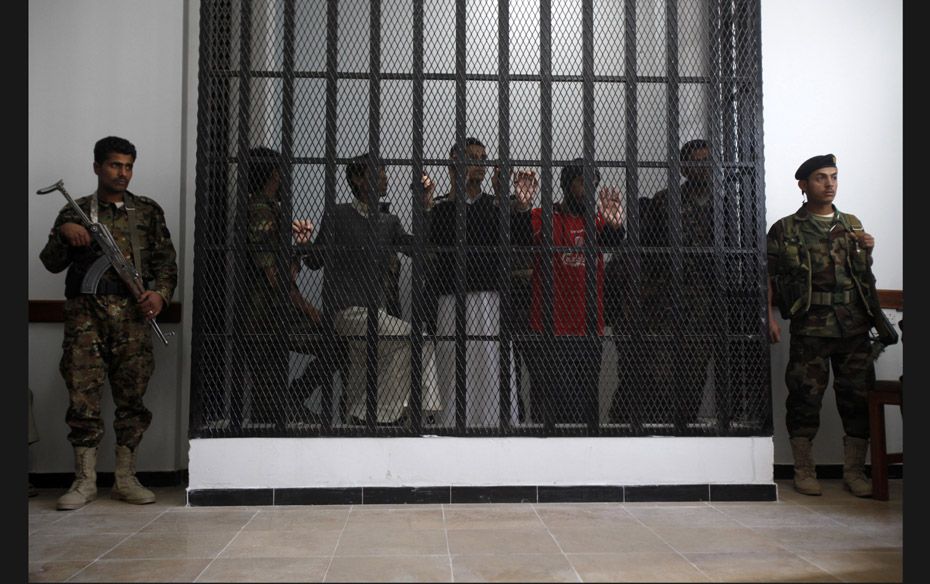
[{"x": 831, "y": 298}]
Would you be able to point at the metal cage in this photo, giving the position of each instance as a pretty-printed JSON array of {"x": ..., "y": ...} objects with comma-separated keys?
[{"x": 466, "y": 314}]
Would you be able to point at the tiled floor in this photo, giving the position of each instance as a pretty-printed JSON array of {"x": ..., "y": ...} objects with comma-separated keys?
[{"x": 832, "y": 538}]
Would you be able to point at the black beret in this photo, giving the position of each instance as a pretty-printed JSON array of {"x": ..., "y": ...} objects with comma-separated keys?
[{"x": 813, "y": 163}]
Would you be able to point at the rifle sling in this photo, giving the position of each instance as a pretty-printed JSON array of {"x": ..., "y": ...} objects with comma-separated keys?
[{"x": 129, "y": 204}]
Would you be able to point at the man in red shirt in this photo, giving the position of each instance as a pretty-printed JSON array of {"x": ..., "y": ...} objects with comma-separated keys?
[{"x": 564, "y": 364}]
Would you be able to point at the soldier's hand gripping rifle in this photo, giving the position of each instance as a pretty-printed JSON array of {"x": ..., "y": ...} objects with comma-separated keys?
[{"x": 112, "y": 257}]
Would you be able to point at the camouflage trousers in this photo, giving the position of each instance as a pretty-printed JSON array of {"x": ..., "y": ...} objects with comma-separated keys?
[
  {"x": 106, "y": 338},
  {"x": 809, "y": 363}
]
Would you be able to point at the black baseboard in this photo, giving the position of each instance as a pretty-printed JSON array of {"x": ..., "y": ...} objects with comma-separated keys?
[
  {"x": 490, "y": 494},
  {"x": 834, "y": 471}
]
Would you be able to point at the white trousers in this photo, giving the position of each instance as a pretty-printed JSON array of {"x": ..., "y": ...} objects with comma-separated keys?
[
  {"x": 393, "y": 365},
  {"x": 482, "y": 361}
]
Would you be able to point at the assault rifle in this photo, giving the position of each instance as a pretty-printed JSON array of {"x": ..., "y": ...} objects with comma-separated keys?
[{"x": 112, "y": 257}]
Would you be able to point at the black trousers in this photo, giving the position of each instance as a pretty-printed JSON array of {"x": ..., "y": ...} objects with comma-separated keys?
[{"x": 564, "y": 374}]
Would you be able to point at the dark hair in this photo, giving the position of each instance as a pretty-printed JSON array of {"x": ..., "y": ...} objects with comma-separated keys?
[
  {"x": 469, "y": 141},
  {"x": 359, "y": 166},
  {"x": 259, "y": 165},
  {"x": 689, "y": 148},
  {"x": 106, "y": 146},
  {"x": 571, "y": 171}
]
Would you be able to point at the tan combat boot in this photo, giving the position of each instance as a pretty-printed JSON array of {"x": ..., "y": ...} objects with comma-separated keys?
[
  {"x": 805, "y": 473},
  {"x": 126, "y": 486},
  {"x": 84, "y": 488},
  {"x": 854, "y": 478}
]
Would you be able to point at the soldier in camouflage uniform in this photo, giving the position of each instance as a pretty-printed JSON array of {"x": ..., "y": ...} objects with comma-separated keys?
[
  {"x": 107, "y": 333},
  {"x": 820, "y": 278},
  {"x": 662, "y": 379},
  {"x": 279, "y": 318}
]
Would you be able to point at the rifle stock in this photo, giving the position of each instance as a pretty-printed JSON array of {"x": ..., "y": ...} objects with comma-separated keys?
[{"x": 101, "y": 234}]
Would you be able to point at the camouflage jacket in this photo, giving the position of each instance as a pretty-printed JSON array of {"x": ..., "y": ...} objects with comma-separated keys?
[
  {"x": 821, "y": 277},
  {"x": 271, "y": 271},
  {"x": 158, "y": 259}
]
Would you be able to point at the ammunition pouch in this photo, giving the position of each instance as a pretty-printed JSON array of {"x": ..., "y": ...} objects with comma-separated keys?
[{"x": 790, "y": 296}]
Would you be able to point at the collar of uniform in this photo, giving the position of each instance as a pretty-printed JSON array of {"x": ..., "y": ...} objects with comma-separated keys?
[
  {"x": 803, "y": 214},
  {"x": 117, "y": 204}
]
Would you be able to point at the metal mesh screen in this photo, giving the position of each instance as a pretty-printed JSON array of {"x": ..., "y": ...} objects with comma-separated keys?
[{"x": 630, "y": 299}]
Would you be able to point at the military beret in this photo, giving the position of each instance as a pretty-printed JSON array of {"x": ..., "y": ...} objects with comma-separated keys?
[{"x": 813, "y": 163}]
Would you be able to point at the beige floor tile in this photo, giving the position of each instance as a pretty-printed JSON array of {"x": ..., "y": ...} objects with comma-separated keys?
[
  {"x": 635, "y": 567},
  {"x": 91, "y": 523},
  {"x": 716, "y": 539},
  {"x": 420, "y": 568},
  {"x": 55, "y": 571},
  {"x": 846, "y": 538},
  {"x": 176, "y": 570},
  {"x": 860, "y": 566},
  {"x": 877, "y": 515},
  {"x": 758, "y": 567},
  {"x": 681, "y": 516},
  {"x": 48, "y": 548},
  {"x": 801, "y": 539},
  {"x": 408, "y": 517},
  {"x": 199, "y": 519},
  {"x": 585, "y": 515},
  {"x": 388, "y": 542},
  {"x": 774, "y": 514},
  {"x": 501, "y": 541},
  {"x": 619, "y": 538},
  {"x": 487, "y": 517},
  {"x": 513, "y": 568},
  {"x": 282, "y": 544},
  {"x": 299, "y": 519},
  {"x": 42, "y": 521},
  {"x": 265, "y": 570},
  {"x": 171, "y": 546}
]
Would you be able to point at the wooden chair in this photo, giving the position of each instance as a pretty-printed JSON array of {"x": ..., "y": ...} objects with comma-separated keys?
[{"x": 886, "y": 392}]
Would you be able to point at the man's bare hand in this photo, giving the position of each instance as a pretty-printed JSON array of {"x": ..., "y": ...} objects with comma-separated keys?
[
  {"x": 774, "y": 328},
  {"x": 429, "y": 188},
  {"x": 609, "y": 206},
  {"x": 866, "y": 239},
  {"x": 302, "y": 230},
  {"x": 151, "y": 303},
  {"x": 76, "y": 235},
  {"x": 526, "y": 185}
]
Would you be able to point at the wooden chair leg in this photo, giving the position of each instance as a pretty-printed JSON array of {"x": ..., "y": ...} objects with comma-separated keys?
[{"x": 878, "y": 451}]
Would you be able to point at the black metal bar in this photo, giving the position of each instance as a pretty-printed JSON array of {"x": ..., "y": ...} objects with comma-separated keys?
[
  {"x": 460, "y": 231},
  {"x": 245, "y": 108},
  {"x": 418, "y": 306},
  {"x": 378, "y": 265},
  {"x": 546, "y": 190},
  {"x": 591, "y": 251},
  {"x": 722, "y": 194},
  {"x": 329, "y": 182},
  {"x": 673, "y": 214},
  {"x": 506, "y": 252}
]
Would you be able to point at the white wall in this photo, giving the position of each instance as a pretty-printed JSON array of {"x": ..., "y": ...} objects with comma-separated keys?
[{"x": 128, "y": 67}]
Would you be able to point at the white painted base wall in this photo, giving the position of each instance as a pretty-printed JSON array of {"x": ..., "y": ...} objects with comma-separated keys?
[{"x": 250, "y": 463}]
